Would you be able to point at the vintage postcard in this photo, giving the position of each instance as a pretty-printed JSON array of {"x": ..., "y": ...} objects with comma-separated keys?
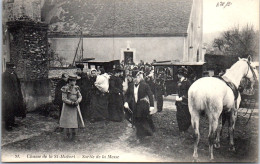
[{"x": 130, "y": 81}]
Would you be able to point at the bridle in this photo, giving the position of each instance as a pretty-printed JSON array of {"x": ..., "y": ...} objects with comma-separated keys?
[{"x": 253, "y": 72}]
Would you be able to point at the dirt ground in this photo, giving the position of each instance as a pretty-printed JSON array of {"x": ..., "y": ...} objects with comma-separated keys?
[{"x": 115, "y": 141}]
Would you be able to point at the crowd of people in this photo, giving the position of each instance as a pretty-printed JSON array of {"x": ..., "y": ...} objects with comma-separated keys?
[
  {"x": 115, "y": 95},
  {"x": 126, "y": 92}
]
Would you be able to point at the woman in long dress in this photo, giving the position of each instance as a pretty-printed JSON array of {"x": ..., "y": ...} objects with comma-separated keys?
[{"x": 183, "y": 114}]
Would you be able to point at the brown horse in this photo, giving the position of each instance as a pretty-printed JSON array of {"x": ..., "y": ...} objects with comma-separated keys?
[{"x": 213, "y": 95}]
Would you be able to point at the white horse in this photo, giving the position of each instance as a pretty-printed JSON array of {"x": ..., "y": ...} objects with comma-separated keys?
[{"x": 213, "y": 95}]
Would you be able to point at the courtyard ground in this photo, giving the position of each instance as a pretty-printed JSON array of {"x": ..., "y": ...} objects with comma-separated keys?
[{"x": 36, "y": 140}]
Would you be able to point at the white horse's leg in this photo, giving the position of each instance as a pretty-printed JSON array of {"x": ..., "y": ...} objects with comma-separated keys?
[
  {"x": 195, "y": 120},
  {"x": 213, "y": 125},
  {"x": 233, "y": 118},
  {"x": 219, "y": 130},
  {"x": 225, "y": 116}
]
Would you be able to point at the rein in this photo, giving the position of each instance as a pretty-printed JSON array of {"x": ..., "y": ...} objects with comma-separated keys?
[
  {"x": 251, "y": 107},
  {"x": 253, "y": 72}
]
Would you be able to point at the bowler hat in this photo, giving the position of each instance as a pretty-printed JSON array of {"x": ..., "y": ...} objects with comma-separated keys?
[
  {"x": 81, "y": 66},
  {"x": 136, "y": 73},
  {"x": 118, "y": 69},
  {"x": 182, "y": 71},
  {"x": 10, "y": 65}
]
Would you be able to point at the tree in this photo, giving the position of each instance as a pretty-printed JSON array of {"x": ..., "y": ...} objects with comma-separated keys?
[{"x": 241, "y": 43}]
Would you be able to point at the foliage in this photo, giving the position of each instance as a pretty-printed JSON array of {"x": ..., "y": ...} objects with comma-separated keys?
[
  {"x": 239, "y": 42},
  {"x": 55, "y": 59}
]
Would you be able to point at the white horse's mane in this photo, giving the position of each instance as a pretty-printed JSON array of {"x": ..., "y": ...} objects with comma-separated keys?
[
  {"x": 234, "y": 73},
  {"x": 235, "y": 66}
]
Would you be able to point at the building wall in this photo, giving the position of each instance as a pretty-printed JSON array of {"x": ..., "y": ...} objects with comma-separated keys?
[
  {"x": 107, "y": 49},
  {"x": 194, "y": 41},
  {"x": 14, "y": 10}
]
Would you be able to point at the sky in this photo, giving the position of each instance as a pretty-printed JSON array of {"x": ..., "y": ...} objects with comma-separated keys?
[{"x": 237, "y": 12}]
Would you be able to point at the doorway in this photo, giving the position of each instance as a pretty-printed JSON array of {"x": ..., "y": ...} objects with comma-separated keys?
[{"x": 128, "y": 57}]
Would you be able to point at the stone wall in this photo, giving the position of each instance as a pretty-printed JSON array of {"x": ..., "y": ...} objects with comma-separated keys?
[
  {"x": 28, "y": 41},
  {"x": 36, "y": 93},
  {"x": 28, "y": 49}
]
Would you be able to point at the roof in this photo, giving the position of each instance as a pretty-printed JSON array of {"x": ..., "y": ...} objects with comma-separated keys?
[
  {"x": 169, "y": 63},
  {"x": 118, "y": 17}
]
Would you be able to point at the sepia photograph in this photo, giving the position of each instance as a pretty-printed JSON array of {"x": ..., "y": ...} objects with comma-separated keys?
[{"x": 130, "y": 81}]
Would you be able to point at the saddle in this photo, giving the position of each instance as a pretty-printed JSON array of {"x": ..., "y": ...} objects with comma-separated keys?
[{"x": 231, "y": 85}]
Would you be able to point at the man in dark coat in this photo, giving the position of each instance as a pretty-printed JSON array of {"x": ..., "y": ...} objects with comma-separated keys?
[
  {"x": 12, "y": 98},
  {"x": 183, "y": 114},
  {"x": 85, "y": 86},
  {"x": 149, "y": 80},
  {"x": 139, "y": 99},
  {"x": 116, "y": 98},
  {"x": 159, "y": 92}
]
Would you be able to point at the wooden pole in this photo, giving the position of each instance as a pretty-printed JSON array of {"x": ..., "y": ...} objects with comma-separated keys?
[{"x": 76, "y": 52}]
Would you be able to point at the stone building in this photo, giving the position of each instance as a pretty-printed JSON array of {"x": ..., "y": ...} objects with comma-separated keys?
[
  {"x": 25, "y": 45},
  {"x": 122, "y": 29},
  {"x": 17, "y": 10},
  {"x": 131, "y": 30}
]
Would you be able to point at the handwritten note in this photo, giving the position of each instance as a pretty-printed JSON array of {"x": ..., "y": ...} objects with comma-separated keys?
[{"x": 223, "y": 4}]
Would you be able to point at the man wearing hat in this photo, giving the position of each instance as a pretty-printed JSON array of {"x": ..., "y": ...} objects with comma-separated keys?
[
  {"x": 80, "y": 66},
  {"x": 139, "y": 99},
  {"x": 85, "y": 86},
  {"x": 183, "y": 114},
  {"x": 116, "y": 98},
  {"x": 12, "y": 97},
  {"x": 159, "y": 91}
]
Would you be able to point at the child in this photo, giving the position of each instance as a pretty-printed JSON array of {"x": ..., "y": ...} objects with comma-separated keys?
[{"x": 71, "y": 98}]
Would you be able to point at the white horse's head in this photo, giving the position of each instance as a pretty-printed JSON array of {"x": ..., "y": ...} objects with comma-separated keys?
[{"x": 251, "y": 73}]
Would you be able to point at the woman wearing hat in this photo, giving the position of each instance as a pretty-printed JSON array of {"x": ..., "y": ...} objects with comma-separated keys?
[
  {"x": 183, "y": 114},
  {"x": 116, "y": 98},
  {"x": 71, "y": 98}
]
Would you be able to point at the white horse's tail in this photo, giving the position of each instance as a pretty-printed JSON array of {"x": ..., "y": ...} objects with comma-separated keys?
[{"x": 196, "y": 101}]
